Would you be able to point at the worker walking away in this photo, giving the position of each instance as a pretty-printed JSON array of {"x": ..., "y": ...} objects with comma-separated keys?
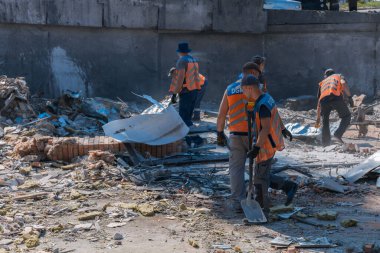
[
  {"x": 233, "y": 105},
  {"x": 186, "y": 81},
  {"x": 332, "y": 95},
  {"x": 268, "y": 137}
]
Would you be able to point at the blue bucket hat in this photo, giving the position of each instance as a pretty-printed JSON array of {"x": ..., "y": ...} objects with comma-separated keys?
[{"x": 183, "y": 48}]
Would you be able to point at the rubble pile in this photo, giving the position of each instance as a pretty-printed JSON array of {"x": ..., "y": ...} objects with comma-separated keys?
[
  {"x": 65, "y": 187},
  {"x": 14, "y": 99}
]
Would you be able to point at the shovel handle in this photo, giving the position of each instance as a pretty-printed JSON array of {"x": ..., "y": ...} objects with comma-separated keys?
[{"x": 251, "y": 161}]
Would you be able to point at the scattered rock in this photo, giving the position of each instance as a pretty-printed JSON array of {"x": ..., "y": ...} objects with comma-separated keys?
[
  {"x": 75, "y": 194},
  {"x": 85, "y": 226},
  {"x": 193, "y": 243},
  {"x": 116, "y": 224},
  {"x": 57, "y": 228},
  {"x": 25, "y": 170},
  {"x": 281, "y": 209},
  {"x": 6, "y": 242},
  {"x": 89, "y": 216},
  {"x": 146, "y": 209},
  {"x": 327, "y": 215},
  {"x": 182, "y": 207},
  {"x": 349, "y": 223},
  {"x": 32, "y": 242},
  {"x": 202, "y": 210},
  {"x": 237, "y": 249},
  {"x": 118, "y": 237}
]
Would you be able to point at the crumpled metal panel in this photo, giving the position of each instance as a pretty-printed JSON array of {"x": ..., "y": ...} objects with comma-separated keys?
[
  {"x": 363, "y": 168},
  {"x": 158, "y": 126}
]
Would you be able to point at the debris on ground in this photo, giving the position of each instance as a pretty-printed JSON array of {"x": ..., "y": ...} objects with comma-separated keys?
[{"x": 63, "y": 182}]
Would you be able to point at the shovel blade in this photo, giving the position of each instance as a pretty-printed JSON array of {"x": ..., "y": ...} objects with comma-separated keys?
[{"x": 253, "y": 211}]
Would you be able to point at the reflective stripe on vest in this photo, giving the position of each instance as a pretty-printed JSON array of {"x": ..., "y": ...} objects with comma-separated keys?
[
  {"x": 236, "y": 108},
  {"x": 331, "y": 85},
  {"x": 174, "y": 82},
  {"x": 192, "y": 77},
  {"x": 275, "y": 140}
]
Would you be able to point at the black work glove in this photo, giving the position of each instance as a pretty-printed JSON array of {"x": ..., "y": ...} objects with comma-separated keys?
[
  {"x": 222, "y": 139},
  {"x": 174, "y": 98},
  {"x": 254, "y": 152},
  {"x": 286, "y": 133},
  {"x": 351, "y": 102}
]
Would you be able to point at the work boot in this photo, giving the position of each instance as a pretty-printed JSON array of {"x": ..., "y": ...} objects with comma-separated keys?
[
  {"x": 197, "y": 115},
  {"x": 290, "y": 190},
  {"x": 337, "y": 139}
]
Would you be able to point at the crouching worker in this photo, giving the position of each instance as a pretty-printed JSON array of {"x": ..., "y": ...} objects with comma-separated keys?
[{"x": 268, "y": 137}]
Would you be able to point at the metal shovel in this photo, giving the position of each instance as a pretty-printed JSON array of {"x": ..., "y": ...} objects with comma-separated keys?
[{"x": 252, "y": 209}]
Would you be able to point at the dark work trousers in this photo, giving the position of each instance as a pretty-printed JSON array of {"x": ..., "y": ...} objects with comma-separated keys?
[
  {"x": 334, "y": 5},
  {"x": 353, "y": 5},
  {"x": 197, "y": 106},
  {"x": 338, "y": 104},
  {"x": 263, "y": 179},
  {"x": 186, "y": 105}
]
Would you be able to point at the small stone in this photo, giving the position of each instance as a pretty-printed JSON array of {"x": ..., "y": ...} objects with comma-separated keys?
[
  {"x": 182, "y": 207},
  {"x": 146, "y": 209},
  {"x": 118, "y": 237},
  {"x": 203, "y": 210},
  {"x": 25, "y": 170},
  {"x": 237, "y": 249},
  {"x": 193, "y": 243},
  {"x": 116, "y": 224},
  {"x": 6, "y": 242},
  {"x": 89, "y": 216},
  {"x": 132, "y": 206},
  {"x": 85, "y": 226},
  {"x": 349, "y": 223},
  {"x": 281, "y": 209},
  {"x": 57, "y": 228},
  {"x": 30, "y": 184},
  {"x": 75, "y": 194},
  {"x": 118, "y": 243},
  {"x": 32, "y": 242},
  {"x": 327, "y": 215}
]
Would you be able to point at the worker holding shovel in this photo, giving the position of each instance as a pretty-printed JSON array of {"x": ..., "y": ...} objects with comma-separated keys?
[{"x": 268, "y": 137}]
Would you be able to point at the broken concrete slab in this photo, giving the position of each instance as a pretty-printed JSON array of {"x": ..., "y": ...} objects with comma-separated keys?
[{"x": 363, "y": 168}]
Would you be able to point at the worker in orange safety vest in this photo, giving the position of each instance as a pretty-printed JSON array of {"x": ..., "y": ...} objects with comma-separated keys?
[
  {"x": 268, "y": 138},
  {"x": 233, "y": 106},
  {"x": 186, "y": 81},
  {"x": 333, "y": 94}
]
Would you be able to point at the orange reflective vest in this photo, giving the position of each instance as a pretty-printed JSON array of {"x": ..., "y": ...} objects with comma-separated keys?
[
  {"x": 236, "y": 108},
  {"x": 331, "y": 85},
  {"x": 193, "y": 79},
  {"x": 275, "y": 140}
]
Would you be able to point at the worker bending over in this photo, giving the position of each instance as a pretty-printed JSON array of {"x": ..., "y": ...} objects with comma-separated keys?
[
  {"x": 268, "y": 133},
  {"x": 333, "y": 93},
  {"x": 186, "y": 81}
]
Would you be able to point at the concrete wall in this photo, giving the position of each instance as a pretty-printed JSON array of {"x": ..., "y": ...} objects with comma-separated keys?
[{"x": 112, "y": 47}]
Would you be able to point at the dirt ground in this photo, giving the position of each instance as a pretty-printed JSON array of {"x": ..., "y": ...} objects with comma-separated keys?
[{"x": 189, "y": 222}]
